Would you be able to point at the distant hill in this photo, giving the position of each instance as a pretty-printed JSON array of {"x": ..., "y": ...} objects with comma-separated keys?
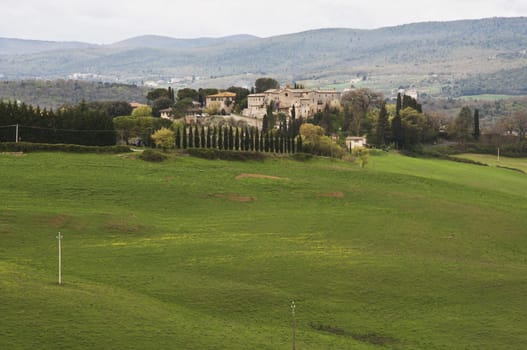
[
  {"x": 167, "y": 43},
  {"x": 431, "y": 56},
  {"x": 52, "y": 94},
  {"x": 23, "y": 47}
]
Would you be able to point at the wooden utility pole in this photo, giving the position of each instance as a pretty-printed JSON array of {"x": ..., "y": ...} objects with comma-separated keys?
[
  {"x": 59, "y": 237},
  {"x": 293, "y": 306}
]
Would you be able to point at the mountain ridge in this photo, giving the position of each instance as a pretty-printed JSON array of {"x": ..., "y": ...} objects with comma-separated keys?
[{"x": 434, "y": 56}]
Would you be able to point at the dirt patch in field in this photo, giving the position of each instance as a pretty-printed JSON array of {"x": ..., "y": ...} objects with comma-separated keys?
[
  {"x": 14, "y": 154},
  {"x": 55, "y": 221},
  {"x": 332, "y": 195},
  {"x": 235, "y": 197},
  {"x": 169, "y": 178},
  {"x": 120, "y": 226},
  {"x": 259, "y": 176}
]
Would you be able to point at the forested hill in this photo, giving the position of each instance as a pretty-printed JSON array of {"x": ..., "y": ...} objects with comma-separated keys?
[
  {"x": 434, "y": 56},
  {"x": 52, "y": 94}
]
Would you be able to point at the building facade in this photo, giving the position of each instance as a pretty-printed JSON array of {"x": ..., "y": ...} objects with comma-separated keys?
[
  {"x": 305, "y": 102},
  {"x": 224, "y": 101}
]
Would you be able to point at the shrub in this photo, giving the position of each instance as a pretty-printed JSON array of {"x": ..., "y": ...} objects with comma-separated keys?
[
  {"x": 151, "y": 155},
  {"x": 362, "y": 155},
  {"x": 226, "y": 155},
  {"x": 302, "y": 157}
]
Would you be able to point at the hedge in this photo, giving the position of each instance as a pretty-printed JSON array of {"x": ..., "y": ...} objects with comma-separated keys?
[{"x": 27, "y": 147}]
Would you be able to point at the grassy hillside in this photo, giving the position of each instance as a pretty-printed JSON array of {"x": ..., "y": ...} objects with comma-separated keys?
[{"x": 188, "y": 254}]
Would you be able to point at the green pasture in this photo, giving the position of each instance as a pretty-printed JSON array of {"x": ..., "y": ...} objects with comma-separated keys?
[
  {"x": 492, "y": 160},
  {"x": 187, "y": 254}
]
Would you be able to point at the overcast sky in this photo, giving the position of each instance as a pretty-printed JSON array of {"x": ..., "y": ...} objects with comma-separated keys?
[{"x": 107, "y": 21}]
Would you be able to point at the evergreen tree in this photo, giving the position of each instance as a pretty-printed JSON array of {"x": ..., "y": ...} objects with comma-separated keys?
[
  {"x": 397, "y": 130},
  {"x": 231, "y": 138},
  {"x": 251, "y": 139},
  {"x": 202, "y": 138},
  {"x": 243, "y": 139},
  {"x": 208, "y": 142},
  {"x": 267, "y": 142},
  {"x": 214, "y": 137},
  {"x": 196, "y": 137},
  {"x": 477, "y": 131},
  {"x": 185, "y": 144},
  {"x": 398, "y": 105},
  {"x": 265, "y": 123},
  {"x": 190, "y": 138},
  {"x": 225, "y": 138},
  {"x": 293, "y": 113},
  {"x": 382, "y": 129},
  {"x": 256, "y": 140},
  {"x": 178, "y": 138},
  {"x": 299, "y": 146},
  {"x": 262, "y": 142},
  {"x": 237, "y": 140},
  {"x": 220, "y": 137}
]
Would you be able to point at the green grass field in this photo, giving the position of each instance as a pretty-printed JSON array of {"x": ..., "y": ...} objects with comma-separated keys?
[
  {"x": 186, "y": 254},
  {"x": 492, "y": 160}
]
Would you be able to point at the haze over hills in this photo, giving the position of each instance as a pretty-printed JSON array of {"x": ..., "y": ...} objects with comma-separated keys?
[{"x": 439, "y": 58}]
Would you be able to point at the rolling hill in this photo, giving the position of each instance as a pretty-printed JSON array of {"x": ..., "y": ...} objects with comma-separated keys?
[
  {"x": 432, "y": 56},
  {"x": 406, "y": 253}
]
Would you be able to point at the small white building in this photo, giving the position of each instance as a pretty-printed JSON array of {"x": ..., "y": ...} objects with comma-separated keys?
[{"x": 355, "y": 141}]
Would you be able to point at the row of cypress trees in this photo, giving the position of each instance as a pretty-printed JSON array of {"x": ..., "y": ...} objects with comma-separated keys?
[{"x": 237, "y": 139}]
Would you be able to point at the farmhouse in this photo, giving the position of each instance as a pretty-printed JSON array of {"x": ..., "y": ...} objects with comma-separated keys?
[
  {"x": 304, "y": 102},
  {"x": 224, "y": 101}
]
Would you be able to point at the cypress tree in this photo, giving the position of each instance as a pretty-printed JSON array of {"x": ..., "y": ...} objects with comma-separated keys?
[
  {"x": 231, "y": 138},
  {"x": 214, "y": 137},
  {"x": 397, "y": 131},
  {"x": 226, "y": 138},
  {"x": 209, "y": 144},
  {"x": 243, "y": 137},
  {"x": 190, "y": 138},
  {"x": 265, "y": 123},
  {"x": 477, "y": 131},
  {"x": 178, "y": 138},
  {"x": 196, "y": 137},
  {"x": 398, "y": 105},
  {"x": 299, "y": 143},
  {"x": 262, "y": 142},
  {"x": 202, "y": 138},
  {"x": 257, "y": 140},
  {"x": 220, "y": 137},
  {"x": 382, "y": 128},
  {"x": 251, "y": 139},
  {"x": 237, "y": 140},
  {"x": 185, "y": 145},
  {"x": 266, "y": 142}
]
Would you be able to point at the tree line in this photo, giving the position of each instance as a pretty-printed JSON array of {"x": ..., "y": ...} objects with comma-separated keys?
[
  {"x": 281, "y": 140},
  {"x": 72, "y": 125}
]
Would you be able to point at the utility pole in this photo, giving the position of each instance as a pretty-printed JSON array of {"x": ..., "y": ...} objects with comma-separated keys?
[
  {"x": 16, "y": 134},
  {"x": 293, "y": 306},
  {"x": 59, "y": 237}
]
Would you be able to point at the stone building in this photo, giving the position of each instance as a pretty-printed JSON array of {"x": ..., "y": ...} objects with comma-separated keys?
[
  {"x": 224, "y": 101},
  {"x": 306, "y": 102}
]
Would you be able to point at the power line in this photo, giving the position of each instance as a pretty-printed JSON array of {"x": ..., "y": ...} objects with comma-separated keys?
[{"x": 52, "y": 129}]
